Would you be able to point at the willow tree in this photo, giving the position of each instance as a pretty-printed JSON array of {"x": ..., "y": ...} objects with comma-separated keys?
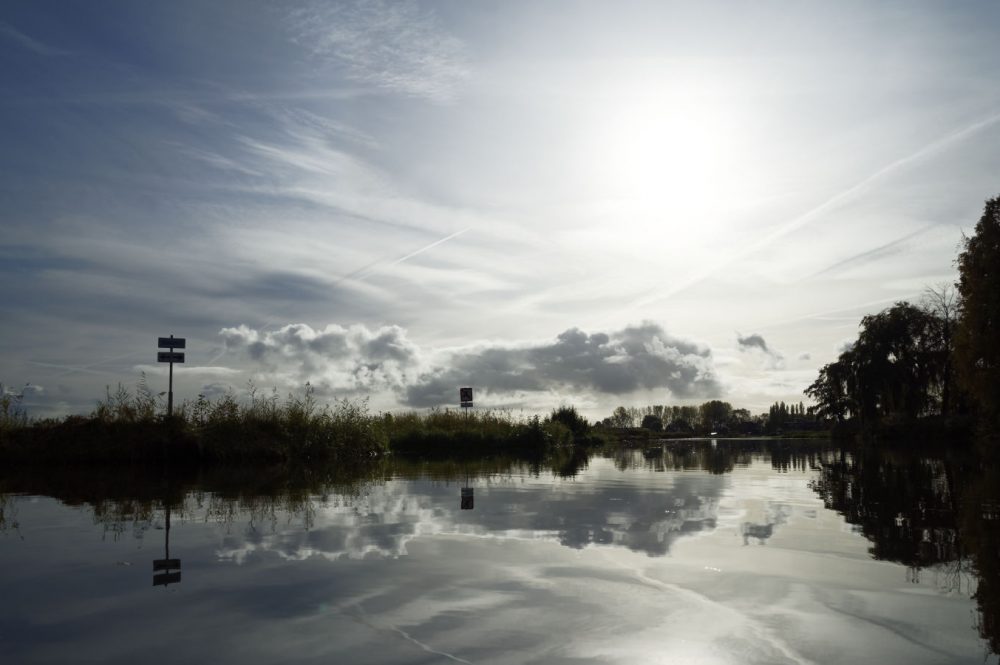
[{"x": 894, "y": 369}]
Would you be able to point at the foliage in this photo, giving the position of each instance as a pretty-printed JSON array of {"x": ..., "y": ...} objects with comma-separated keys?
[
  {"x": 978, "y": 330},
  {"x": 652, "y": 423},
  {"x": 941, "y": 303},
  {"x": 130, "y": 426},
  {"x": 622, "y": 418},
  {"x": 124, "y": 406},
  {"x": 781, "y": 417},
  {"x": 895, "y": 369},
  {"x": 896, "y": 364},
  {"x": 568, "y": 416},
  {"x": 711, "y": 416},
  {"x": 714, "y": 413},
  {"x": 12, "y": 413},
  {"x": 833, "y": 389}
]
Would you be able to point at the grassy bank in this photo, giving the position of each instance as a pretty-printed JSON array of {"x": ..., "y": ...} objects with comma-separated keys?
[{"x": 129, "y": 426}]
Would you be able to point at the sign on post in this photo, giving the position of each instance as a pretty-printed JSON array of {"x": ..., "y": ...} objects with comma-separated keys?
[
  {"x": 163, "y": 579},
  {"x": 170, "y": 357},
  {"x": 465, "y": 397}
]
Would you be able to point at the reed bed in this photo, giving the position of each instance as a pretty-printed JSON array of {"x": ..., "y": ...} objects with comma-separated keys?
[{"x": 131, "y": 426}]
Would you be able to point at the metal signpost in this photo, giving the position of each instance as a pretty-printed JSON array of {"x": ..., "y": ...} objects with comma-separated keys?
[
  {"x": 468, "y": 498},
  {"x": 171, "y": 357}
]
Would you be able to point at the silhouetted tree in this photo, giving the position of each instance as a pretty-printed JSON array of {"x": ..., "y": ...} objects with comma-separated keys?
[
  {"x": 977, "y": 346},
  {"x": 568, "y": 416},
  {"x": 833, "y": 389},
  {"x": 777, "y": 417},
  {"x": 714, "y": 413},
  {"x": 621, "y": 418},
  {"x": 941, "y": 303},
  {"x": 651, "y": 422},
  {"x": 895, "y": 366}
]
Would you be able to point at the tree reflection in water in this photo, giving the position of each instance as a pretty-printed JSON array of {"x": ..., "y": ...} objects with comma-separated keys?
[
  {"x": 935, "y": 515},
  {"x": 928, "y": 513}
]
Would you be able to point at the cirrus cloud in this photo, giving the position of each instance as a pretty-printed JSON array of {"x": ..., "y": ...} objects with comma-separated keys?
[{"x": 395, "y": 46}]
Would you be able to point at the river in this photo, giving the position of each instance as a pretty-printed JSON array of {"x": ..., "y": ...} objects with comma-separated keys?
[{"x": 728, "y": 551}]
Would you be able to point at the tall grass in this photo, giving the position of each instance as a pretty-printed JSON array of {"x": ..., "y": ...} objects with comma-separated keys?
[
  {"x": 12, "y": 413},
  {"x": 297, "y": 428},
  {"x": 125, "y": 406},
  {"x": 130, "y": 425},
  {"x": 452, "y": 433}
]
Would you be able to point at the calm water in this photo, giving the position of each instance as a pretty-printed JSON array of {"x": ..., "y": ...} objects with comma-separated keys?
[{"x": 733, "y": 552}]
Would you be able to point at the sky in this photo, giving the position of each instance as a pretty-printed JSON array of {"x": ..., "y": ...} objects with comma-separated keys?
[{"x": 583, "y": 203}]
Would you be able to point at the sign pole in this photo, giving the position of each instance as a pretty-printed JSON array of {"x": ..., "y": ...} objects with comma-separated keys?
[
  {"x": 170, "y": 390},
  {"x": 172, "y": 356}
]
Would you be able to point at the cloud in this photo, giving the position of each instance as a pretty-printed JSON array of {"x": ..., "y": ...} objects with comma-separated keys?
[
  {"x": 359, "y": 360},
  {"x": 26, "y": 391},
  {"x": 395, "y": 513},
  {"x": 394, "y": 46},
  {"x": 756, "y": 343},
  {"x": 635, "y": 358},
  {"x": 752, "y": 341},
  {"x": 352, "y": 359}
]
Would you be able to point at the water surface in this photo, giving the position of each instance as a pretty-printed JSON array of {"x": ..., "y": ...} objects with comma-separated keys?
[{"x": 700, "y": 552}]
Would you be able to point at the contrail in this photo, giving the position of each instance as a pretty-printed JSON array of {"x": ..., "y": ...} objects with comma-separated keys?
[
  {"x": 816, "y": 315},
  {"x": 430, "y": 246},
  {"x": 823, "y": 208},
  {"x": 875, "y": 252},
  {"x": 366, "y": 270},
  {"x": 220, "y": 354},
  {"x": 70, "y": 369}
]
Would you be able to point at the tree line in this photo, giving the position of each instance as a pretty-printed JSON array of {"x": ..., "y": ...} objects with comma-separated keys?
[
  {"x": 713, "y": 416},
  {"x": 937, "y": 358}
]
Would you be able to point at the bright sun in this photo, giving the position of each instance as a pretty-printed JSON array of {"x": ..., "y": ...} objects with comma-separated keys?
[
  {"x": 662, "y": 157},
  {"x": 665, "y": 161}
]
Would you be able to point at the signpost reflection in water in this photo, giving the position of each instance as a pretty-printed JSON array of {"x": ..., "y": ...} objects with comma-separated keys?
[{"x": 170, "y": 576}]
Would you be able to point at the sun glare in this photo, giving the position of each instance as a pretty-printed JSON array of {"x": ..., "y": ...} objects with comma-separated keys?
[
  {"x": 660, "y": 154},
  {"x": 666, "y": 162}
]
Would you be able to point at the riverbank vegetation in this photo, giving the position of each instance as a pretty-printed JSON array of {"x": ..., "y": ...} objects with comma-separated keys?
[
  {"x": 130, "y": 426},
  {"x": 714, "y": 418}
]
